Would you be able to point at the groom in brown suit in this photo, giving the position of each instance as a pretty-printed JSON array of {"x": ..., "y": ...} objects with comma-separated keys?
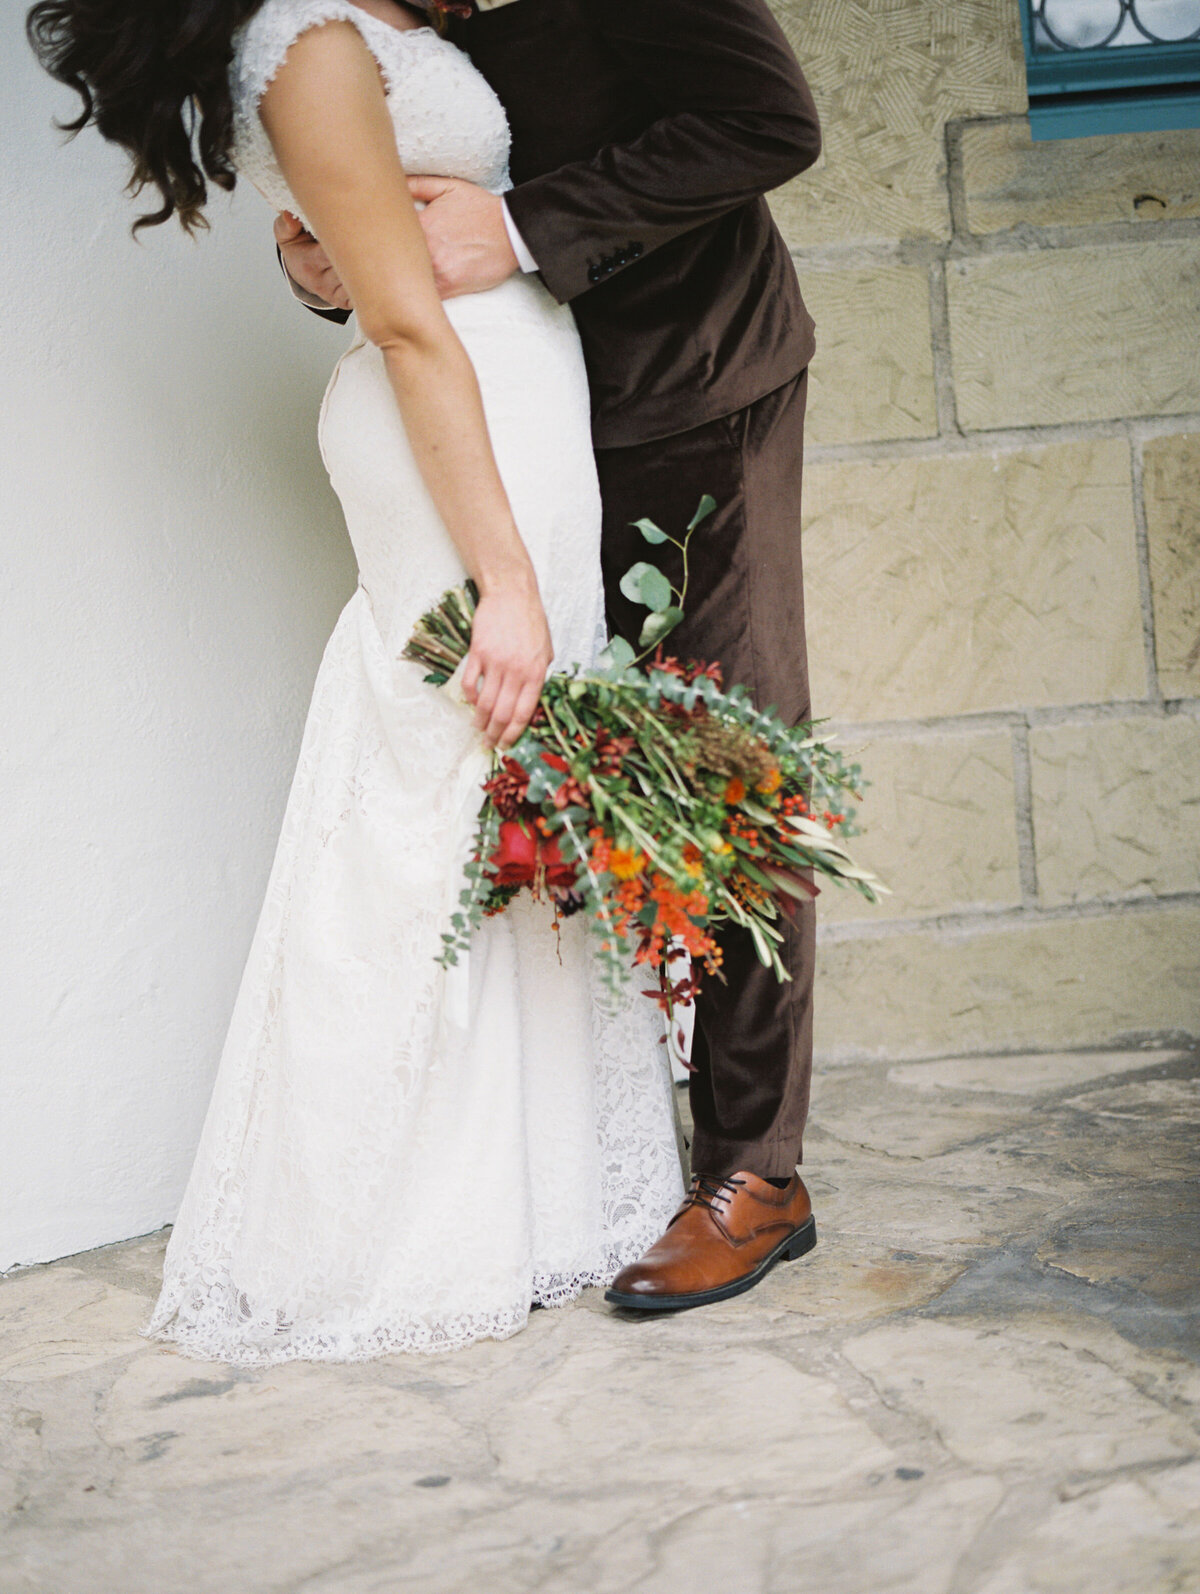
[{"x": 644, "y": 136}]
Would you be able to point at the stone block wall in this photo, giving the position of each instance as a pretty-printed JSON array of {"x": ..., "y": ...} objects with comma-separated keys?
[{"x": 1001, "y": 540}]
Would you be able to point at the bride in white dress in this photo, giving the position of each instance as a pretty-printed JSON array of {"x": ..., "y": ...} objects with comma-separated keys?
[{"x": 397, "y": 1158}]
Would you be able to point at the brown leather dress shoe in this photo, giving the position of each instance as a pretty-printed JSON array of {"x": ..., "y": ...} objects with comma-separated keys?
[{"x": 727, "y": 1235}]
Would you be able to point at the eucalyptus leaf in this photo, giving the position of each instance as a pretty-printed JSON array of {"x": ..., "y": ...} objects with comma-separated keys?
[
  {"x": 703, "y": 510},
  {"x": 659, "y": 625},
  {"x": 617, "y": 655},
  {"x": 631, "y": 581},
  {"x": 655, "y": 590},
  {"x": 650, "y": 531},
  {"x": 541, "y": 783}
]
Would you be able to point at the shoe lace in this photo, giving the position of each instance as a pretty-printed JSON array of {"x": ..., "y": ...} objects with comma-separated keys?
[{"x": 719, "y": 1192}]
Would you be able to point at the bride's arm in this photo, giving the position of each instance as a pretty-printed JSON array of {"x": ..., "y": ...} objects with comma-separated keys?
[{"x": 328, "y": 122}]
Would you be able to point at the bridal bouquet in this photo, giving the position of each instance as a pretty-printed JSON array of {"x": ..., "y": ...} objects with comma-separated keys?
[{"x": 648, "y": 797}]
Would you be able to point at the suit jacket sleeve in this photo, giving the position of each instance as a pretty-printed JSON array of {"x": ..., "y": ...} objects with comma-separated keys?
[{"x": 738, "y": 121}]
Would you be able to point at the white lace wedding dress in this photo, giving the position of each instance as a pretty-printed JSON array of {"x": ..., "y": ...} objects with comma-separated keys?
[{"x": 396, "y": 1158}]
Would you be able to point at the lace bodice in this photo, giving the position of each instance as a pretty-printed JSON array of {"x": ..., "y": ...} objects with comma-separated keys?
[{"x": 448, "y": 121}]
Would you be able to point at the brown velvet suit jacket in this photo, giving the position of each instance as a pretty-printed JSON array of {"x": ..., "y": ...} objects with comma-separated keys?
[
  {"x": 644, "y": 136},
  {"x": 645, "y": 133}
]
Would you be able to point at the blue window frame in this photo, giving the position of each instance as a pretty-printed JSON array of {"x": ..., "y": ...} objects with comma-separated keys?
[{"x": 1111, "y": 66}]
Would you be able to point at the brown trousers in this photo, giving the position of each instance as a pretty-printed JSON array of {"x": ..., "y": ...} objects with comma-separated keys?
[{"x": 752, "y": 1049}]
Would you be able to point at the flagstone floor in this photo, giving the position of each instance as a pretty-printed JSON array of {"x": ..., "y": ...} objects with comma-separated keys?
[{"x": 984, "y": 1380}]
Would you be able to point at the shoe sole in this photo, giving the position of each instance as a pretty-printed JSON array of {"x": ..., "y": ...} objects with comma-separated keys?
[{"x": 799, "y": 1243}]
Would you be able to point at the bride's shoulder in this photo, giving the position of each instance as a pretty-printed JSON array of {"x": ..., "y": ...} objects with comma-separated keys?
[{"x": 261, "y": 43}]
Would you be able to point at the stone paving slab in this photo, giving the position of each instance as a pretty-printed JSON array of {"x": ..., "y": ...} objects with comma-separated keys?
[{"x": 985, "y": 1380}]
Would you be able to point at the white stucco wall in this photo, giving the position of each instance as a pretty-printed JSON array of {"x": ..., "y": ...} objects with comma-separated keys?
[{"x": 173, "y": 560}]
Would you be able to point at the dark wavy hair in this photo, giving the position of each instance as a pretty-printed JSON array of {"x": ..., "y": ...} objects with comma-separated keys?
[{"x": 153, "y": 78}]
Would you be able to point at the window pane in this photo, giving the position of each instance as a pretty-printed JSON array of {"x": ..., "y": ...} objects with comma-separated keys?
[
  {"x": 1096, "y": 24},
  {"x": 1168, "y": 21}
]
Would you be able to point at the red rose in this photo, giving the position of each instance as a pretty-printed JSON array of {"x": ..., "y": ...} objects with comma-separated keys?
[
  {"x": 560, "y": 875},
  {"x": 514, "y": 861},
  {"x": 518, "y": 853}
]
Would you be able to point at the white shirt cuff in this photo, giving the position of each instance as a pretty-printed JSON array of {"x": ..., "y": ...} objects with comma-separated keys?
[{"x": 520, "y": 248}]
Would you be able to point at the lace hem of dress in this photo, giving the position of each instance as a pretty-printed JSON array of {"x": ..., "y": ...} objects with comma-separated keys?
[{"x": 217, "y": 1330}]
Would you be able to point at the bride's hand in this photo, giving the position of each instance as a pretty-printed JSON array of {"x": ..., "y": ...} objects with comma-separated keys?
[{"x": 510, "y": 653}]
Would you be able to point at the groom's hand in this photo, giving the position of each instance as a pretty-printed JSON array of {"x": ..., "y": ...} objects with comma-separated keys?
[
  {"x": 464, "y": 228},
  {"x": 307, "y": 264}
]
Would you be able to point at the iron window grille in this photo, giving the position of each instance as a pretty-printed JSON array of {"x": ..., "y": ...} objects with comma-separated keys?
[{"x": 1111, "y": 66}]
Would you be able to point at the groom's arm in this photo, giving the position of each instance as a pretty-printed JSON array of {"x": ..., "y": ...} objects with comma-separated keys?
[
  {"x": 320, "y": 290},
  {"x": 310, "y": 301},
  {"x": 741, "y": 122}
]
